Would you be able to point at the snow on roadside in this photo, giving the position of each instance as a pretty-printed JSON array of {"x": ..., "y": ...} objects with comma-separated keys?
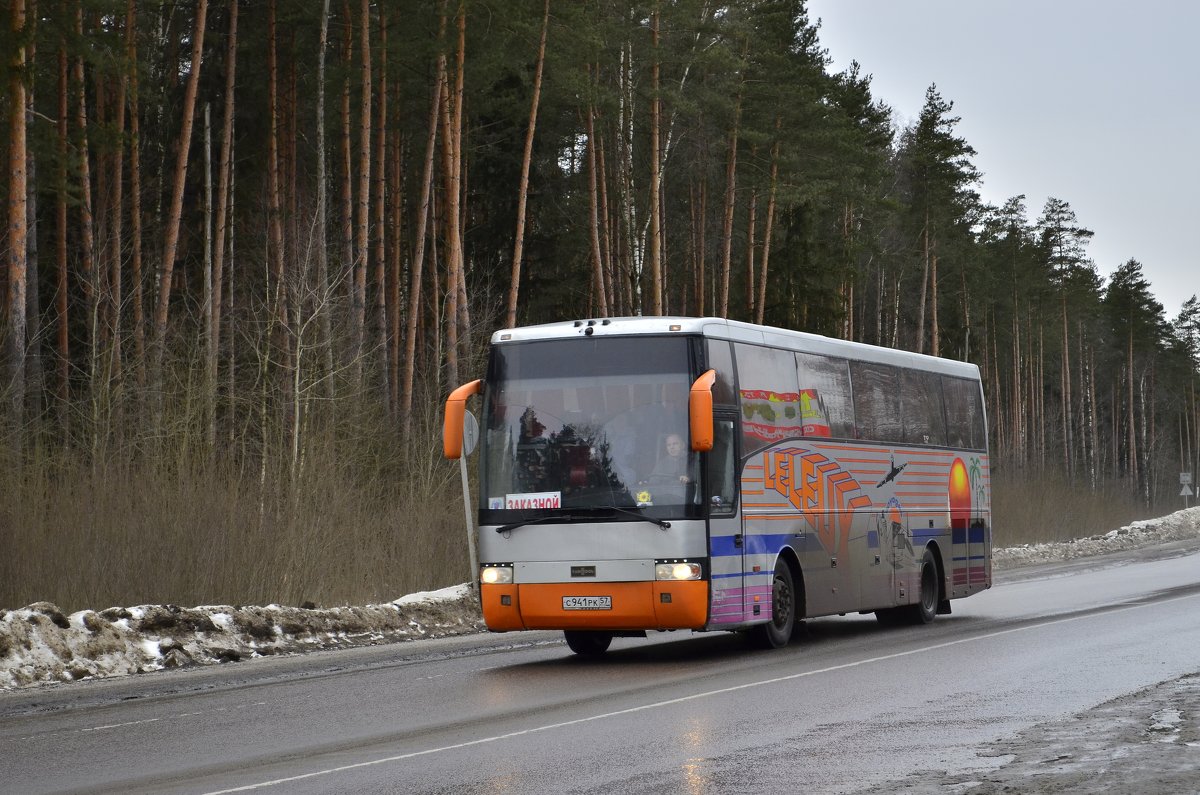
[
  {"x": 41, "y": 645},
  {"x": 1147, "y": 532}
]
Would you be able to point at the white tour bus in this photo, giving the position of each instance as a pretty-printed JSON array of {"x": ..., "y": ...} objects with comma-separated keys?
[{"x": 664, "y": 473}]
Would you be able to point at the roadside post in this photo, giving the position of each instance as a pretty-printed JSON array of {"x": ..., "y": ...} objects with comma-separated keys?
[{"x": 470, "y": 439}]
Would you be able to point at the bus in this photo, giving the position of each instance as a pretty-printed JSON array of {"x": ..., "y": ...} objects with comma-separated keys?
[{"x": 670, "y": 473}]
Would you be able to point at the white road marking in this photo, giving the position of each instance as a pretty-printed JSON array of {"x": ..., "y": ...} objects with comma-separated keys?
[
  {"x": 178, "y": 716},
  {"x": 119, "y": 725},
  {"x": 695, "y": 696}
]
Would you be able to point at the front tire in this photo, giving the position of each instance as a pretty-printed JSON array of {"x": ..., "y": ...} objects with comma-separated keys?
[
  {"x": 777, "y": 632},
  {"x": 588, "y": 644},
  {"x": 925, "y": 610}
]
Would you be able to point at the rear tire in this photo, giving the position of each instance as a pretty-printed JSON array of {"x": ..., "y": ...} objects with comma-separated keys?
[
  {"x": 777, "y": 632},
  {"x": 588, "y": 644},
  {"x": 926, "y": 608}
]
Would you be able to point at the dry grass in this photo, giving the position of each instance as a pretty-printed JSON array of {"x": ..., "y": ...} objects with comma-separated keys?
[
  {"x": 358, "y": 523},
  {"x": 1030, "y": 509}
]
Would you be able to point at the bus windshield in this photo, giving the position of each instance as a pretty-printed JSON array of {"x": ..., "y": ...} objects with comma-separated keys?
[{"x": 581, "y": 425}]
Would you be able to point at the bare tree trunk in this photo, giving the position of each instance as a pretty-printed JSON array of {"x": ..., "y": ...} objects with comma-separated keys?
[
  {"x": 17, "y": 228},
  {"x": 751, "y": 221},
  {"x": 1067, "y": 419},
  {"x": 463, "y": 317},
  {"x": 116, "y": 217},
  {"x": 630, "y": 254},
  {"x": 510, "y": 315},
  {"x": 419, "y": 234},
  {"x": 210, "y": 384},
  {"x": 1017, "y": 426},
  {"x": 1133, "y": 445},
  {"x": 325, "y": 323},
  {"x": 167, "y": 268},
  {"x": 381, "y": 215},
  {"x": 925, "y": 256},
  {"x": 656, "y": 280},
  {"x": 730, "y": 195},
  {"x": 452, "y": 156},
  {"x": 60, "y": 235},
  {"x": 612, "y": 281},
  {"x": 594, "y": 216},
  {"x": 276, "y": 293},
  {"x": 87, "y": 232},
  {"x": 966, "y": 307},
  {"x": 1037, "y": 383},
  {"x": 223, "y": 191},
  {"x": 935, "y": 342},
  {"x": 138, "y": 322},
  {"x": 346, "y": 269},
  {"x": 761, "y": 304},
  {"x": 359, "y": 292},
  {"x": 396, "y": 268},
  {"x": 34, "y": 373}
]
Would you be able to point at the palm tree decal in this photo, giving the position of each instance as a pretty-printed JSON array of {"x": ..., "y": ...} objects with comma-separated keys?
[{"x": 975, "y": 474}]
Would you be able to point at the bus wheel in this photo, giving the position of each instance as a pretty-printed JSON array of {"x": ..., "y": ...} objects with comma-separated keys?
[
  {"x": 924, "y": 611},
  {"x": 778, "y": 631},
  {"x": 588, "y": 644}
]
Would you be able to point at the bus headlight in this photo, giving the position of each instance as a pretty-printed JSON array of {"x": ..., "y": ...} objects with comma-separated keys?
[
  {"x": 496, "y": 575},
  {"x": 677, "y": 571}
]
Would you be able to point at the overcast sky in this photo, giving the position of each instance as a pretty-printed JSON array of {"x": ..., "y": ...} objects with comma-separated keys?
[{"x": 1095, "y": 102}]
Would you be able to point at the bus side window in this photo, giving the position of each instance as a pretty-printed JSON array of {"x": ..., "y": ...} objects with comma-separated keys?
[
  {"x": 722, "y": 469},
  {"x": 827, "y": 381},
  {"x": 720, "y": 358},
  {"x": 877, "y": 401},
  {"x": 921, "y": 407},
  {"x": 964, "y": 413}
]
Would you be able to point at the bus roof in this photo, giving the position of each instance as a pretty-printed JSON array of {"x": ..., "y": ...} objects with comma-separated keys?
[{"x": 737, "y": 331}]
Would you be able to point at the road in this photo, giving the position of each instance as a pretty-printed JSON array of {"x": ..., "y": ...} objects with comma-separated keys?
[{"x": 849, "y": 707}]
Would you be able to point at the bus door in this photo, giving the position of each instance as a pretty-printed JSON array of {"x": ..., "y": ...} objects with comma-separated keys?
[{"x": 727, "y": 548}]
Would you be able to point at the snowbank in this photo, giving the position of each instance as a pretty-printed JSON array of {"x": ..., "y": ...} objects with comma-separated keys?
[
  {"x": 1148, "y": 532},
  {"x": 39, "y": 644}
]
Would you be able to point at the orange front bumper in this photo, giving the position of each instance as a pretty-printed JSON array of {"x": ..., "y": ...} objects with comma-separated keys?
[{"x": 663, "y": 604}]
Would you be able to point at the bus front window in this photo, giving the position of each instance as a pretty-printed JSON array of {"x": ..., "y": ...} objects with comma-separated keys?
[{"x": 590, "y": 423}]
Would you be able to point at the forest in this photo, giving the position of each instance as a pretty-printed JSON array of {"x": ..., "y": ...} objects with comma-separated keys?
[{"x": 250, "y": 246}]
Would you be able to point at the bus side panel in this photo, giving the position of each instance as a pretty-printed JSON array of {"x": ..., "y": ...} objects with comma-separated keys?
[
  {"x": 861, "y": 516},
  {"x": 797, "y": 496}
]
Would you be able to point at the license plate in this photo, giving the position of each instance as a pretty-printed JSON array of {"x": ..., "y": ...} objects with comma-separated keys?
[{"x": 587, "y": 603}]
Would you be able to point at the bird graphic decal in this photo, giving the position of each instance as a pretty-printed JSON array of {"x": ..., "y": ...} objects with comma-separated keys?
[{"x": 896, "y": 470}]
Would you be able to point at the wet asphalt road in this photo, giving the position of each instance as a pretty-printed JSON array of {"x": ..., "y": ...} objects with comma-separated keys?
[{"x": 850, "y": 706}]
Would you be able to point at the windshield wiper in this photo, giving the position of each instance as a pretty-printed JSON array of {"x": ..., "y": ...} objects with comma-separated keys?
[
  {"x": 567, "y": 518},
  {"x": 554, "y": 517},
  {"x": 663, "y": 523}
]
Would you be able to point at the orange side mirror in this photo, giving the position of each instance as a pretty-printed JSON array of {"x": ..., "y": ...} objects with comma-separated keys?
[
  {"x": 700, "y": 412},
  {"x": 456, "y": 408}
]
